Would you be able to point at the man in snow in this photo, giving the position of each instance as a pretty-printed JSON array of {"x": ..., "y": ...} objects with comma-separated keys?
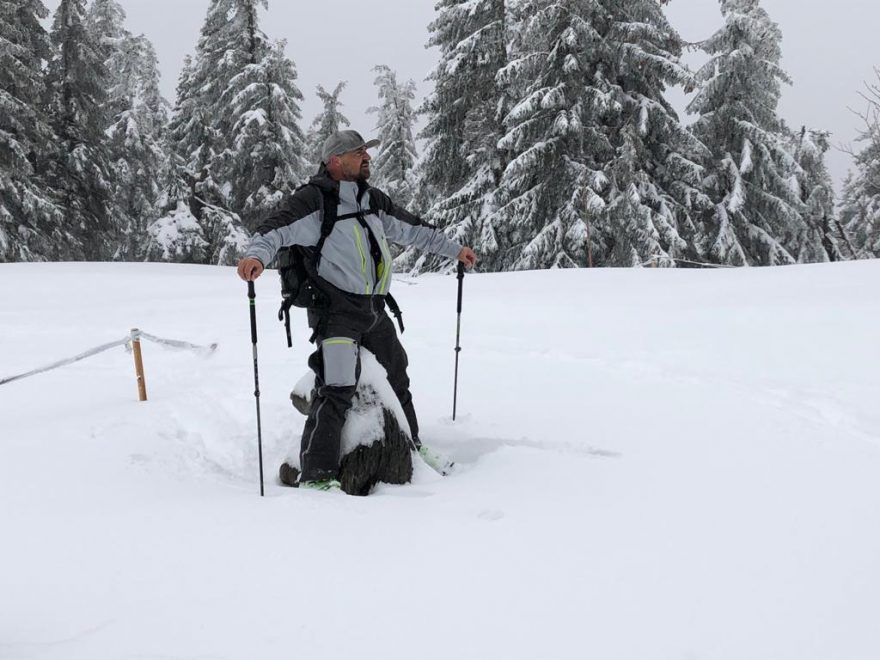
[{"x": 353, "y": 276}]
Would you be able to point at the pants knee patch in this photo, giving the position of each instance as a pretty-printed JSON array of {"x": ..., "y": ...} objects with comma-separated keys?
[{"x": 340, "y": 356}]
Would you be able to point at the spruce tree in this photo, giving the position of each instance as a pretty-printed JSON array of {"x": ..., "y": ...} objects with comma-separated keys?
[
  {"x": 327, "y": 122},
  {"x": 602, "y": 172},
  {"x": 136, "y": 115},
  {"x": 234, "y": 134},
  {"x": 267, "y": 145},
  {"x": 655, "y": 178},
  {"x": 819, "y": 239},
  {"x": 78, "y": 170},
  {"x": 462, "y": 165},
  {"x": 196, "y": 196},
  {"x": 553, "y": 134},
  {"x": 198, "y": 138},
  {"x": 140, "y": 134},
  {"x": 177, "y": 235},
  {"x": 393, "y": 164},
  {"x": 31, "y": 226},
  {"x": 462, "y": 109},
  {"x": 105, "y": 21},
  {"x": 860, "y": 208},
  {"x": 755, "y": 207}
]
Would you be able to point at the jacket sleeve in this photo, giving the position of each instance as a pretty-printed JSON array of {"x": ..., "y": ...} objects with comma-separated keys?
[
  {"x": 405, "y": 228},
  {"x": 298, "y": 222}
]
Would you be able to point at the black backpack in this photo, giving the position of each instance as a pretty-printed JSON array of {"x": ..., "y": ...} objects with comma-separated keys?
[{"x": 298, "y": 266}]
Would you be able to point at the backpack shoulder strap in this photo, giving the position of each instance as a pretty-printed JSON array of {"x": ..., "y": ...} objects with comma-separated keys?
[
  {"x": 380, "y": 201},
  {"x": 328, "y": 220}
]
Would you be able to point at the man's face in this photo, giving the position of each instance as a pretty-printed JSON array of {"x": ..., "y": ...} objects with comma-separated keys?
[{"x": 355, "y": 164}]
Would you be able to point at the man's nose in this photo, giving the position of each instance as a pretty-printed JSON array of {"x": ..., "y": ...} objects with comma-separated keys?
[{"x": 367, "y": 157}]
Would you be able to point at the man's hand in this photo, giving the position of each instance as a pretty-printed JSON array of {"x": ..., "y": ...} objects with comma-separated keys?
[
  {"x": 468, "y": 257},
  {"x": 250, "y": 269}
]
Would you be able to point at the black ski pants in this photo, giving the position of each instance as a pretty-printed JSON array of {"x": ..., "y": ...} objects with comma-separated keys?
[{"x": 336, "y": 364}]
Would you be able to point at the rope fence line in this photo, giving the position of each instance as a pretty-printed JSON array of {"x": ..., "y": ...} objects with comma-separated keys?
[
  {"x": 176, "y": 344},
  {"x": 132, "y": 342},
  {"x": 656, "y": 259}
]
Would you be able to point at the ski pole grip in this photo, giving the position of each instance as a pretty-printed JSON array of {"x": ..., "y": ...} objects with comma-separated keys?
[
  {"x": 460, "y": 280},
  {"x": 252, "y": 296}
]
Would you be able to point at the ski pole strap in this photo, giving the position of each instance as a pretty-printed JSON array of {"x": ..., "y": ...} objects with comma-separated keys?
[
  {"x": 395, "y": 310},
  {"x": 284, "y": 316},
  {"x": 320, "y": 329}
]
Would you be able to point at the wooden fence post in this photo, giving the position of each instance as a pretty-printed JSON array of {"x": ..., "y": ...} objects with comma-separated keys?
[{"x": 138, "y": 364}]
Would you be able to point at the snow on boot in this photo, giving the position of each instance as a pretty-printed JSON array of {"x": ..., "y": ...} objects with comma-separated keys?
[{"x": 440, "y": 463}]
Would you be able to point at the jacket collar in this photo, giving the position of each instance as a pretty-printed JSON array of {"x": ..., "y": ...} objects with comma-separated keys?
[{"x": 325, "y": 182}]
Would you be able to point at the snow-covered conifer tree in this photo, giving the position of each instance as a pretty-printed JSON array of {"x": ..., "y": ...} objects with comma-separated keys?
[
  {"x": 263, "y": 114},
  {"x": 31, "y": 226},
  {"x": 105, "y": 22},
  {"x": 234, "y": 133},
  {"x": 201, "y": 148},
  {"x": 135, "y": 122},
  {"x": 462, "y": 164},
  {"x": 554, "y": 137},
  {"x": 79, "y": 172},
  {"x": 819, "y": 239},
  {"x": 602, "y": 172},
  {"x": 327, "y": 122},
  {"x": 140, "y": 134},
  {"x": 462, "y": 109},
  {"x": 393, "y": 164},
  {"x": 176, "y": 235},
  {"x": 860, "y": 208},
  {"x": 655, "y": 179},
  {"x": 756, "y": 207},
  {"x": 198, "y": 225}
]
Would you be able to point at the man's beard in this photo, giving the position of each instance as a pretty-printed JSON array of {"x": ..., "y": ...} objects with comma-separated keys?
[{"x": 360, "y": 174}]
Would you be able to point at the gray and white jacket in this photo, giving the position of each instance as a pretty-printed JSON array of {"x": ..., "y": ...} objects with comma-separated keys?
[{"x": 346, "y": 262}]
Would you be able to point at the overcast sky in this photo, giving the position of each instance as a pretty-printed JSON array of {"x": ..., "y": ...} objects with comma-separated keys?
[{"x": 829, "y": 49}]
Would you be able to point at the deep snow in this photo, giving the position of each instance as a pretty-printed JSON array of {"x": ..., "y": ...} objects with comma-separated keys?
[{"x": 653, "y": 464}]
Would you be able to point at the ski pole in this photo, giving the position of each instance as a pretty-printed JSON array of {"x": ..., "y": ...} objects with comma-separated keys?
[
  {"x": 252, "y": 296},
  {"x": 457, "y": 338}
]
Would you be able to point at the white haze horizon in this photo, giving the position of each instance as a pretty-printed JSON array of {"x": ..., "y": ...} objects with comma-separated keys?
[{"x": 829, "y": 51}]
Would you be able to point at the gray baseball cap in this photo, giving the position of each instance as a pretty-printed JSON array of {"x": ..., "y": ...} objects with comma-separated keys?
[{"x": 341, "y": 142}]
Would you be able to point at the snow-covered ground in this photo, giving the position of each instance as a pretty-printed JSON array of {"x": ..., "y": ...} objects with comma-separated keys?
[{"x": 653, "y": 465}]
